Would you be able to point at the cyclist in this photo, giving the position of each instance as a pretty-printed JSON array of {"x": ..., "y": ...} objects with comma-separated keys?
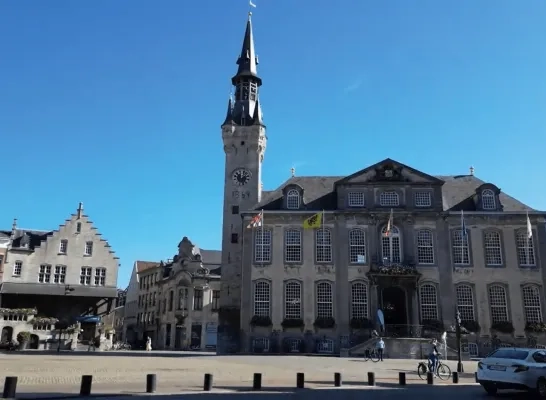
[
  {"x": 380, "y": 348},
  {"x": 433, "y": 356}
]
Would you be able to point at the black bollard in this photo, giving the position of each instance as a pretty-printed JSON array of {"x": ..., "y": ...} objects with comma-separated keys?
[
  {"x": 10, "y": 387},
  {"x": 337, "y": 379},
  {"x": 402, "y": 378},
  {"x": 430, "y": 378},
  {"x": 371, "y": 379},
  {"x": 300, "y": 380},
  {"x": 207, "y": 384},
  {"x": 151, "y": 383},
  {"x": 476, "y": 377},
  {"x": 85, "y": 388},
  {"x": 455, "y": 377},
  {"x": 257, "y": 381}
]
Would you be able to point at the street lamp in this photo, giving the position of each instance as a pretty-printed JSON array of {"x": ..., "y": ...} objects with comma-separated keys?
[
  {"x": 458, "y": 336},
  {"x": 67, "y": 290}
]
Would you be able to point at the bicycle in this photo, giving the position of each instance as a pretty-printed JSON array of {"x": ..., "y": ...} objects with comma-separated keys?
[
  {"x": 371, "y": 354},
  {"x": 442, "y": 370}
]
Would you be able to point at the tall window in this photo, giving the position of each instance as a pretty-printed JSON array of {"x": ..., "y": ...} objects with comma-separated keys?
[
  {"x": 262, "y": 299},
  {"x": 60, "y": 274},
  {"x": 357, "y": 246},
  {"x": 526, "y": 249},
  {"x": 429, "y": 302},
  {"x": 100, "y": 276},
  {"x": 531, "y": 303},
  {"x": 465, "y": 302},
  {"x": 488, "y": 199},
  {"x": 293, "y": 199},
  {"x": 359, "y": 300},
  {"x": 88, "y": 248},
  {"x": 292, "y": 245},
  {"x": 17, "y": 268},
  {"x": 215, "y": 300},
  {"x": 197, "y": 299},
  {"x": 390, "y": 245},
  {"x": 85, "y": 275},
  {"x": 425, "y": 247},
  {"x": 63, "y": 246},
  {"x": 389, "y": 199},
  {"x": 493, "y": 248},
  {"x": 44, "y": 276},
  {"x": 262, "y": 246},
  {"x": 182, "y": 298},
  {"x": 323, "y": 244},
  {"x": 498, "y": 304},
  {"x": 292, "y": 300},
  {"x": 459, "y": 244},
  {"x": 325, "y": 300}
]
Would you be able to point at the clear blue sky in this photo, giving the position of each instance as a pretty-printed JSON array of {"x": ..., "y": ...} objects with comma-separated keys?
[{"x": 119, "y": 103}]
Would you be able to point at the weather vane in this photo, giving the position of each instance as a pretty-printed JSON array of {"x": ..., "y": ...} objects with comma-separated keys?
[{"x": 251, "y": 6}]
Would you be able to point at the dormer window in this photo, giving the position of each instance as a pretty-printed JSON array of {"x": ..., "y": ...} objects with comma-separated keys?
[
  {"x": 488, "y": 200},
  {"x": 356, "y": 199},
  {"x": 389, "y": 199},
  {"x": 293, "y": 199}
]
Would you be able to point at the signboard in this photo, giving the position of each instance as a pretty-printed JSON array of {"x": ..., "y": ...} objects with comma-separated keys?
[{"x": 211, "y": 335}]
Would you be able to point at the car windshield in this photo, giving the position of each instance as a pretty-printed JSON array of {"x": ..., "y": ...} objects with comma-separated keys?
[{"x": 510, "y": 354}]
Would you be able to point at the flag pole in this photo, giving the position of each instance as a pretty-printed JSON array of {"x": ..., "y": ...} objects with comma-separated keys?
[{"x": 463, "y": 237}]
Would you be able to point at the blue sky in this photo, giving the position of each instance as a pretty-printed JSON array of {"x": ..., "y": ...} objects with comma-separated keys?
[{"x": 119, "y": 103}]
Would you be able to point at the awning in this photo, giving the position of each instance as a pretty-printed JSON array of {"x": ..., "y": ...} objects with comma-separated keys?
[
  {"x": 58, "y": 290},
  {"x": 93, "y": 319}
]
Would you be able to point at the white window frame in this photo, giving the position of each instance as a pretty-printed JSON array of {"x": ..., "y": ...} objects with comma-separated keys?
[
  {"x": 44, "y": 274},
  {"x": 323, "y": 246},
  {"x": 262, "y": 245},
  {"x": 422, "y": 199},
  {"x": 100, "y": 276},
  {"x": 425, "y": 247},
  {"x": 460, "y": 247},
  {"x": 85, "y": 275},
  {"x": 324, "y": 300},
  {"x": 359, "y": 300},
  {"x": 262, "y": 298},
  {"x": 63, "y": 246},
  {"x": 392, "y": 245},
  {"x": 293, "y": 199},
  {"x": 525, "y": 249},
  {"x": 325, "y": 346},
  {"x": 357, "y": 246},
  {"x": 356, "y": 199},
  {"x": 17, "y": 268},
  {"x": 465, "y": 302},
  {"x": 492, "y": 243},
  {"x": 498, "y": 303},
  {"x": 88, "y": 248},
  {"x": 292, "y": 246},
  {"x": 532, "y": 304},
  {"x": 489, "y": 202},
  {"x": 59, "y": 275},
  {"x": 389, "y": 198},
  {"x": 428, "y": 299},
  {"x": 293, "y": 300}
]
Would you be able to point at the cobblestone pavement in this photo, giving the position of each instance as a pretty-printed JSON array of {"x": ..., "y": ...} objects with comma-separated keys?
[{"x": 125, "y": 372}]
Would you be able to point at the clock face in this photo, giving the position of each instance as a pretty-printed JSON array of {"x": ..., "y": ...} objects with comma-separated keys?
[{"x": 241, "y": 177}]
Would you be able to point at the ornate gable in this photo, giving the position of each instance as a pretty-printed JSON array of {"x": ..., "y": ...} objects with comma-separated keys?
[{"x": 389, "y": 171}]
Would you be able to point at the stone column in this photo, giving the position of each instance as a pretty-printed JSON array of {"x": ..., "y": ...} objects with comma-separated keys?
[
  {"x": 446, "y": 293},
  {"x": 374, "y": 304},
  {"x": 341, "y": 263}
]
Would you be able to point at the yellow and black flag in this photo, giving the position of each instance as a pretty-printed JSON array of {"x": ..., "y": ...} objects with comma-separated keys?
[{"x": 315, "y": 221}]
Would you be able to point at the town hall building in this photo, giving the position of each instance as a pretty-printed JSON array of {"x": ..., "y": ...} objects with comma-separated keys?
[{"x": 416, "y": 246}]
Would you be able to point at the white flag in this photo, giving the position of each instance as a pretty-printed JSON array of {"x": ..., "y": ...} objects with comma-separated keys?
[
  {"x": 529, "y": 228},
  {"x": 252, "y": 4}
]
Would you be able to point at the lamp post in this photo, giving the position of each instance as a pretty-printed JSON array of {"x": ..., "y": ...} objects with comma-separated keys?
[
  {"x": 458, "y": 336},
  {"x": 67, "y": 290}
]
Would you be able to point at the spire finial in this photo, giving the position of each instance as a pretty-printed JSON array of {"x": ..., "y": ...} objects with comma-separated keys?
[
  {"x": 471, "y": 170},
  {"x": 14, "y": 225},
  {"x": 293, "y": 171},
  {"x": 80, "y": 210}
]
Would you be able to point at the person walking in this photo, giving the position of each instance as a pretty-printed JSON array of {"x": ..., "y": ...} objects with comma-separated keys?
[
  {"x": 380, "y": 348},
  {"x": 149, "y": 344}
]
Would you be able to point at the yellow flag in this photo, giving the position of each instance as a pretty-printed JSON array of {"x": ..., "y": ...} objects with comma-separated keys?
[{"x": 313, "y": 222}]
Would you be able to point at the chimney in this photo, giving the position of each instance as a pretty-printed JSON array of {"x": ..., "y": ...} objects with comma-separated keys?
[
  {"x": 293, "y": 172},
  {"x": 471, "y": 171},
  {"x": 14, "y": 226},
  {"x": 80, "y": 210}
]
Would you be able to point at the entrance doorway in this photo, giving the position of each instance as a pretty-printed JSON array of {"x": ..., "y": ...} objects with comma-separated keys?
[
  {"x": 393, "y": 304},
  {"x": 7, "y": 334}
]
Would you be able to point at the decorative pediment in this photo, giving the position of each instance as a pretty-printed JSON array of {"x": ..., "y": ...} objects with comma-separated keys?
[{"x": 389, "y": 171}]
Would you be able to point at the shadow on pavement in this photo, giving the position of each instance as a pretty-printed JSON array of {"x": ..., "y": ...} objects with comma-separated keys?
[{"x": 132, "y": 353}]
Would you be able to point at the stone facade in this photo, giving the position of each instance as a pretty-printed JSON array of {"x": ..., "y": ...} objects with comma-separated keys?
[{"x": 389, "y": 237}]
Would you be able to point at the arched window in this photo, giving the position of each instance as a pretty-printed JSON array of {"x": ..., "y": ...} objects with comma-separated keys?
[
  {"x": 293, "y": 199},
  {"x": 532, "y": 304},
  {"x": 292, "y": 245},
  {"x": 325, "y": 300},
  {"x": 429, "y": 302},
  {"x": 488, "y": 199},
  {"x": 498, "y": 303},
  {"x": 359, "y": 300},
  {"x": 465, "y": 302},
  {"x": 262, "y": 299},
  {"x": 323, "y": 243},
  {"x": 262, "y": 245},
  {"x": 493, "y": 248},
  {"x": 292, "y": 300},
  {"x": 425, "y": 247},
  {"x": 459, "y": 245},
  {"x": 357, "y": 246},
  {"x": 390, "y": 245},
  {"x": 389, "y": 199},
  {"x": 526, "y": 249}
]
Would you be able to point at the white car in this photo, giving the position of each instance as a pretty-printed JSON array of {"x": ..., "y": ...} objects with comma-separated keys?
[{"x": 514, "y": 368}]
